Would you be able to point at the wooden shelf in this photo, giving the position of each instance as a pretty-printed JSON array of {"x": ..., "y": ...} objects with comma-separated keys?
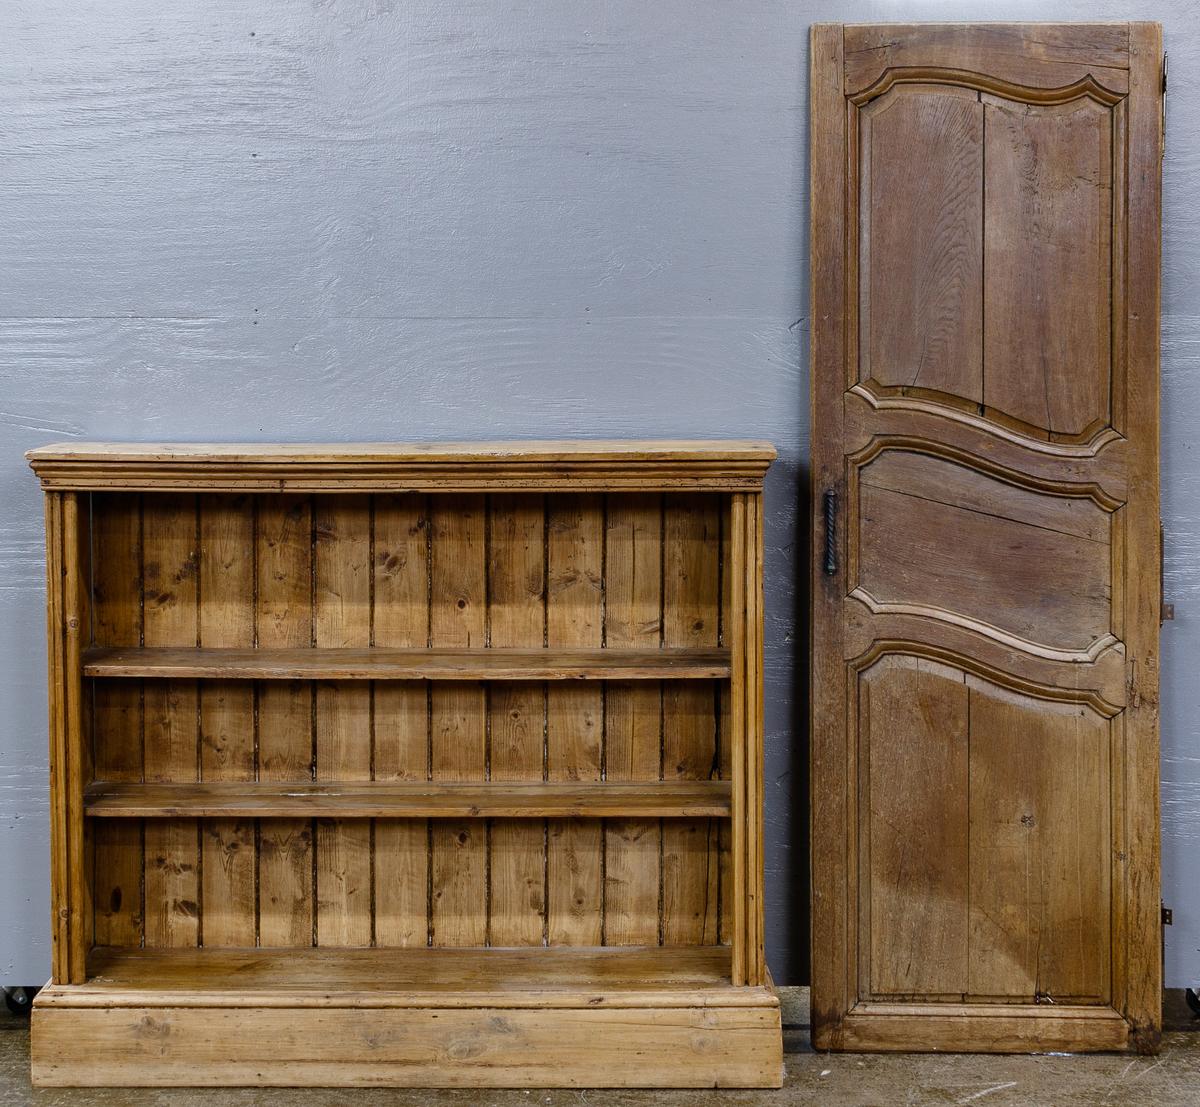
[
  {"x": 461, "y": 976},
  {"x": 409, "y": 664},
  {"x": 381, "y": 800}
]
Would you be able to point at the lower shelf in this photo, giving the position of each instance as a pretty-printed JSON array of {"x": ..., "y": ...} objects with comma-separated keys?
[
  {"x": 558, "y": 1017},
  {"x": 434, "y": 975}
]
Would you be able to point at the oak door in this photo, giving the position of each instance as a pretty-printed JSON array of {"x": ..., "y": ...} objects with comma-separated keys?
[{"x": 985, "y": 296}]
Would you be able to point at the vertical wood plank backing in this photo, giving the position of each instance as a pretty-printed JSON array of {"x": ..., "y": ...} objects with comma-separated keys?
[
  {"x": 342, "y": 619},
  {"x": 517, "y": 716},
  {"x": 633, "y": 715},
  {"x": 117, "y": 714},
  {"x": 574, "y": 715},
  {"x": 284, "y": 565},
  {"x": 1040, "y": 887},
  {"x": 458, "y": 717},
  {"x": 227, "y": 732},
  {"x": 172, "y": 859},
  {"x": 691, "y": 598},
  {"x": 259, "y": 566},
  {"x": 401, "y": 613},
  {"x": 913, "y": 828}
]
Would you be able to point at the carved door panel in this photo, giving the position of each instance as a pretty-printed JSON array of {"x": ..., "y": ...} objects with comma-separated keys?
[{"x": 985, "y": 241}]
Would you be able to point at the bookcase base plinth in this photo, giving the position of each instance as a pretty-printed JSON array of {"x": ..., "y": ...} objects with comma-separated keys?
[{"x": 728, "y": 1038}]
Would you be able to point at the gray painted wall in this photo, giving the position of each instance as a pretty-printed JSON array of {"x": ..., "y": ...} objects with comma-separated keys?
[{"x": 399, "y": 219}]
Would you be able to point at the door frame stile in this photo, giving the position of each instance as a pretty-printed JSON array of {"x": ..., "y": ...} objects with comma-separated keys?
[
  {"x": 832, "y": 994},
  {"x": 1143, "y": 930}
]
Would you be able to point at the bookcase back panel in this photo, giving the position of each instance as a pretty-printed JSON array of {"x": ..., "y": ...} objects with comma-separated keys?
[{"x": 409, "y": 570}]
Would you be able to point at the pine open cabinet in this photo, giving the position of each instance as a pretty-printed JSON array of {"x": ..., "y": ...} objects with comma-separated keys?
[{"x": 406, "y": 765}]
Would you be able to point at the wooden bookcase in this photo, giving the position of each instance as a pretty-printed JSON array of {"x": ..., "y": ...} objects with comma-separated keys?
[{"x": 406, "y": 765}]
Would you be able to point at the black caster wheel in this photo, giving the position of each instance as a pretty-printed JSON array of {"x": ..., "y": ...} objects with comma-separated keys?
[
  {"x": 19, "y": 1001},
  {"x": 1192, "y": 996}
]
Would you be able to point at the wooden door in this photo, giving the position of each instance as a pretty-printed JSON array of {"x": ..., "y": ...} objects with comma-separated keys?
[{"x": 985, "y": 297}]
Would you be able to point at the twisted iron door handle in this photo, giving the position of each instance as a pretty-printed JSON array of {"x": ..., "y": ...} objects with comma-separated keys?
[{"x": 831, "y": 565}]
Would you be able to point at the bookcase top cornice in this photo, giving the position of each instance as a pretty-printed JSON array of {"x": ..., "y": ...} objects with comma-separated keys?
[{"x": 584, "y": 465}]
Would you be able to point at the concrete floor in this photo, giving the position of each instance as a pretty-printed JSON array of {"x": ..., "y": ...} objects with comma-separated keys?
[{"x": 830, "y": 1080}]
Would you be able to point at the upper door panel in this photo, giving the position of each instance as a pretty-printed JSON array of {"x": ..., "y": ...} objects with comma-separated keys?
[{"x": 986, "y": 204}]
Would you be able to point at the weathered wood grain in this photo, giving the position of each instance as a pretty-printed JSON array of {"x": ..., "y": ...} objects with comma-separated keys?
[
  {"x": 1049, "y": 228},
  {"x": 170, "y": 564},
  {"x": 546, "y": 1046},
  {"x": 1048, "y": 56},
  {"x": 598, "y": 466},
  {"x": 455, "y": 664},
  {"x": 829, "y": 813},
  {"x": 691, "y": 600},
  {"x": 516, "y": 716},
  {"x": 400, "y": 606},
  {"x": 283, "y": 558},
  {"x": 229, "y": 860},
  {"x": 344, "y": 734},
  {"x": 1041, "y": 890},
  {"x": 458, "y": 718},
  {"x": 920, "y": 309},
  {"x": 117, "y": 713},
  {"x": 414, "y": 799},
  {"x": 913, "y": 866},
  {"x": 1140, "y": 921},
  {"x": 575, "y": 717},
  {"x": 633, "y": 728}
]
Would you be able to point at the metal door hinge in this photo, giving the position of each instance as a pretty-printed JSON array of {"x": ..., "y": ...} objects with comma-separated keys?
[
  {"x": 1166, "y": 611},
  {"x": 1168, "y": 919},
  {"x": 1162, "y": 135}
]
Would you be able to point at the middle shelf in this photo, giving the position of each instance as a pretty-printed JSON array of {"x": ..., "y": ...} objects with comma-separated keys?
[
  {"x": 411, "y": 799},
  {"x": 408, "y": 664}
]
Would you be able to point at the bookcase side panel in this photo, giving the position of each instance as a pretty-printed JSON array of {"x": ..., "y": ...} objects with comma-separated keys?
[{"x": 67, "y": 623}]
